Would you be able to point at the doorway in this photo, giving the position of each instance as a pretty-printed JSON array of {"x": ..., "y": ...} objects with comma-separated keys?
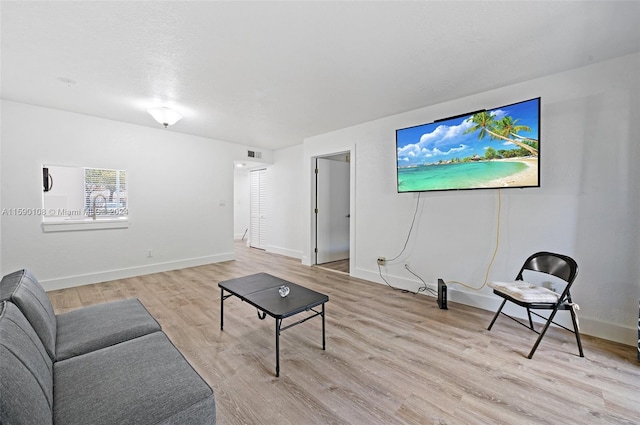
[{"x": 332, "y": 211}]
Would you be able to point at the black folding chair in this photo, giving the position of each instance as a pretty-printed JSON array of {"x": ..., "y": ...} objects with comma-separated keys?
[{"x": 534, "y": 297}]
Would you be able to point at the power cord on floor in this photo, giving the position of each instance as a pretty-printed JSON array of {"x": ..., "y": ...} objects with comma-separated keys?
[{"x": 423, "y": 288}]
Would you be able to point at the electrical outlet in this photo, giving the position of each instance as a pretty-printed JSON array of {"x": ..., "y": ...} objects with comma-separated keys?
[
  {"x": 381, "y": 261},
  {"x": 149, "y": 253}
]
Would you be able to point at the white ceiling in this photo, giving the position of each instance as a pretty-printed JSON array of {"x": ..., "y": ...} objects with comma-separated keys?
[{"x": 268, "y": 74}]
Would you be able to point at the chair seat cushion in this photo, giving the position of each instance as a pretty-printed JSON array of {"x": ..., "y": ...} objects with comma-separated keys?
[{"x": 525, "y": 291}]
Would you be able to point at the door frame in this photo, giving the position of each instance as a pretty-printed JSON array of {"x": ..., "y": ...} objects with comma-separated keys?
[
  {"x": 343, "y": 159},
  {"x": 310, "y": 257}
]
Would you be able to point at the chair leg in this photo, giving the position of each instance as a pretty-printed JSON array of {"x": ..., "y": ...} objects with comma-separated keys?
[
  {"x": 496, "y": 315},
  {"x": 530, "y": 320},
  {"x": 544, "y": 330},
  {"x": 576, "y": 331}
]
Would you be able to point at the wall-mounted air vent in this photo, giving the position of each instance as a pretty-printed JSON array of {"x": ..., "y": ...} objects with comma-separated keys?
[{"x": 254, "y": 154}]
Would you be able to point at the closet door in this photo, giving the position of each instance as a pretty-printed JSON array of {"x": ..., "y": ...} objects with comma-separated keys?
[{"x": 258, "y": 208}]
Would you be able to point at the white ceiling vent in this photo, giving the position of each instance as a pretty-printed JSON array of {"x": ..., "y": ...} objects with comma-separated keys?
[{"x": 254, "y": 154}]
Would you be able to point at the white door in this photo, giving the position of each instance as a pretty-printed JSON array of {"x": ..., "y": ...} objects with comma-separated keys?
[
  {"x": 258, "y": 208},
  {"x": 332, "y": 210}
]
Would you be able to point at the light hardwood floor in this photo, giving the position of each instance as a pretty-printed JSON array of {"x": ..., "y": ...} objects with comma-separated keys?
[
  {"x": 338, "y": 266},
  {"x": 391, "y": 357}
]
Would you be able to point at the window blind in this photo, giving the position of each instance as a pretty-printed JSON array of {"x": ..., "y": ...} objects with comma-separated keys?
[{"x": 105, "y": 192}]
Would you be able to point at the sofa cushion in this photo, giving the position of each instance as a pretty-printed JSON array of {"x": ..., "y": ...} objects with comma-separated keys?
[
  {"x": 23, "y": 289},
  {"x": 98, "y": 326},
  {"x": 26, "y": 371},
  {"x": 144, "y": 381}
]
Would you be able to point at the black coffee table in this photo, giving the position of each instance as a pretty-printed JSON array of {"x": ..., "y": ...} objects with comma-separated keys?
[{"x": 261, "y": 291}]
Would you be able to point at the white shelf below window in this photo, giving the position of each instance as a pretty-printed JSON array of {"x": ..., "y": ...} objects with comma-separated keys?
[{"x": 78, "y": 224}]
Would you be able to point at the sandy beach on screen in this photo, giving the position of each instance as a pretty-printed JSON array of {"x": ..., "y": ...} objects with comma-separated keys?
[{"x": 526, "y": 177}]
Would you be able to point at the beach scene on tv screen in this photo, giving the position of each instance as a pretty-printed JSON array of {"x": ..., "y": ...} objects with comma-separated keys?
[{"x": 487, "y": 149}]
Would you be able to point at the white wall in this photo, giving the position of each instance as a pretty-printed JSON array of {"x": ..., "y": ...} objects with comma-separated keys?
[
  {"x": 284, "y": 196},
  {"x": 241, "y": 212},
  {"x": 180, "y": 190},
  {"x": 286, "y": 204},
  {"x": 65, "y": 194},
  {"x": 588, "y": 204},
  {"x": 1, "y": 191}
]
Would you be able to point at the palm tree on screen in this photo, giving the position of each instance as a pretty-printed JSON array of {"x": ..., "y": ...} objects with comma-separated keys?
[
  {"x": 486, "y": 123},
  {"x": 508, "y": 127}
]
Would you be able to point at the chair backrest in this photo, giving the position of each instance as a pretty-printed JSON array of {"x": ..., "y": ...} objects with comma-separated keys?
[{"x": 558, "y": 265}]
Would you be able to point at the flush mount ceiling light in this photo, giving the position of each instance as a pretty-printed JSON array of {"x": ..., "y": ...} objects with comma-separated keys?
[{"x": 165, "y": 116}]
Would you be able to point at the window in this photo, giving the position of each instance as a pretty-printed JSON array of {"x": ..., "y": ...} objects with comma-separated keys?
[
  {"x": 105, "y": 192},
  {"x": 83, "y": 198}
]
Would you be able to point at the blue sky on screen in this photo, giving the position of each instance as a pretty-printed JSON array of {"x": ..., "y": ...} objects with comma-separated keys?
[{"x": 445, "y": 140}]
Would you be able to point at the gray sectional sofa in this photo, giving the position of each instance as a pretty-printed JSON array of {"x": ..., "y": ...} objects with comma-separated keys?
[{"x": 105, "y": 364}]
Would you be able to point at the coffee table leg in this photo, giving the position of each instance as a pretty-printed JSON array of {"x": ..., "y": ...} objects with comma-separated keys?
[
  {"x": 323, "y": 340},
  {"x": 221, "y": 308},
  {"x": 278, "y": 324}
]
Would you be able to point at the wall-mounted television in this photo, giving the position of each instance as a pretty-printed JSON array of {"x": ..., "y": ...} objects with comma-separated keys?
[{"x": 487, "y": 149}]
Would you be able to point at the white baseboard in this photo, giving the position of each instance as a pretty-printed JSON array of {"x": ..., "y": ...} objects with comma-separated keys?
[
  {"x": 395, "y": 281},
  {"x": 105, "y": 276},
  {"x": 482, "y": 300},
  {"x": 488, "y": 301},
  {"x": 284, "y": 251},
  {"x": 609, "y": 331}
]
